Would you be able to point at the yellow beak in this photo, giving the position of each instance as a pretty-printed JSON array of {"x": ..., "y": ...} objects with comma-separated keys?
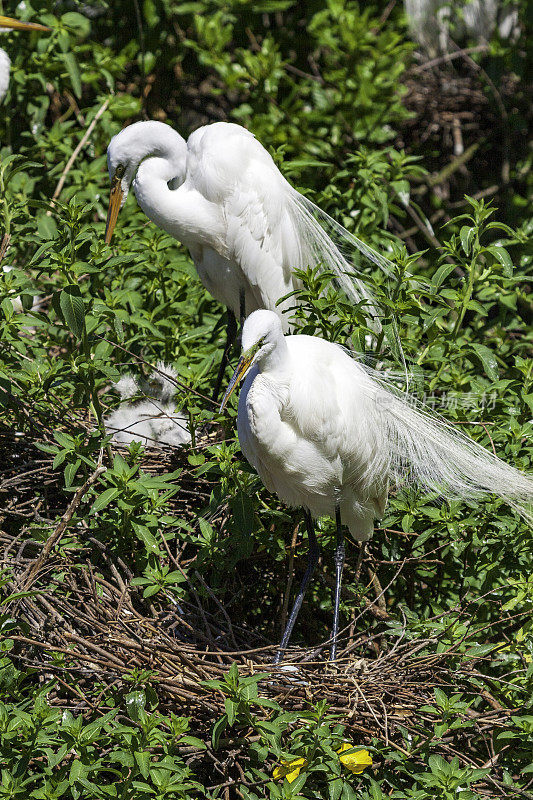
[
  {"x": 115, "y": 203},
  {"x": 16, "y": 25},
  {"x": 242, "y": 368}
]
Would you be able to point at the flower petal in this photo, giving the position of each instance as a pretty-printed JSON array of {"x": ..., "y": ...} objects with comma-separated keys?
[
  {"x": 289, "y": 769},
  {"x": 357, "y": 761}
]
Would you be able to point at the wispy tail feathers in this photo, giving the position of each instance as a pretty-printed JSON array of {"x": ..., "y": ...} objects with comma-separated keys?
[{"x": 423, "y": 448}]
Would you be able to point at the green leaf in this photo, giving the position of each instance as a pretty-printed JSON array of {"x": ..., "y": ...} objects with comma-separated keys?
[
  {"x": 143, "y": 762},
  {"x": 441, "y": 274},
  {"x": 77, "y": 22},
  {"x": 467, "y": 236},
  {"x": 74, "y": 73},
  {"x": 8, "y": 309},
  {"x": 264, "y": 702},
  {"x": 231, "y": 710},
  {"x": 502, "y": 256},
  {"x": 104, "y": 499},
  {"x": 218, "y": 729},
  {"x": 119, "y": 328},
  {"x": 124, "y": 106},
  {"x": 193, "y": 741},
  {"x": 77, "y": 770},
  {"x": 335, "y": 788},
  {"x": 70, "y": 472},
  {"x": 195, "y": 459},
  {"x": 73, "y": 309},
  {"x": 488, "y": 359},
  {"x": 145, "y": 536},
  {"x": 135, "y": 704}
]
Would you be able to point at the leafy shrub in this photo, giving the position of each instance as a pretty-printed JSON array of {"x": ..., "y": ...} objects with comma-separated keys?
[{"x": 322, "y": 86}]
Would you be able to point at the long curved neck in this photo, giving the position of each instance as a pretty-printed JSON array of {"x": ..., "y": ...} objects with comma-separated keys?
[
  {"x": 278, "y": 359},
  {"x": 183, "y": 212}
]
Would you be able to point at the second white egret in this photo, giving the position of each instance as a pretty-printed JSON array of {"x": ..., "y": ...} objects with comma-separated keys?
[{"x": 327, "y": 435}]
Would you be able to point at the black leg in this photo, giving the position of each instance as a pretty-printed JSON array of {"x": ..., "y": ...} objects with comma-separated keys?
[
  {"x": 231, "y": 335},
  {"x": 312, "y": 559},
  {"x": 242, "y": 307},
  {"x": 242, "y": 316},
  {"x": 339, "y": 564}
]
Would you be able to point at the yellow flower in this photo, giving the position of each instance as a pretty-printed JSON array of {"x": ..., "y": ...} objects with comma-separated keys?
[
  {"x": 357, "y": 761},
  {"x": 289, "y": 769}
]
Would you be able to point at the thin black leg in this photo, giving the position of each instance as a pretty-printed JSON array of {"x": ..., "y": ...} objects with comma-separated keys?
[
  {"x": 242, "y": 315},
  {"x": 339, "y": 564},
  {"x": 231, "y": 335},
  {"x": 312, "y": 560},
  {"x": 242, "y": 307}
]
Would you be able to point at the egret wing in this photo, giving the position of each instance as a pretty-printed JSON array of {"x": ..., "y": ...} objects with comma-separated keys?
[{"x": 233, "y": 170}]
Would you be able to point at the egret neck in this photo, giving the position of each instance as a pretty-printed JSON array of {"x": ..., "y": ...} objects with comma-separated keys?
[{"x": 185, "y": 215}]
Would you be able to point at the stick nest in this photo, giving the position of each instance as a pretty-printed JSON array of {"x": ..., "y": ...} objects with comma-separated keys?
[{"x": 88, "y": 625}]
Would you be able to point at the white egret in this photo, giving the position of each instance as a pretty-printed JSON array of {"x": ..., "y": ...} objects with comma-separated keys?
[
  {"x": 6, "y": 23},
  {"x": 152, "y": 420},
  {"x": 247, "y": 229},
  {"x": 326, "y": 434}
]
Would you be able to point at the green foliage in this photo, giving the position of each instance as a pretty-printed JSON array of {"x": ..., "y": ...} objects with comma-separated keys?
[
  {"x": 132, "y": 751},
  {"x": 322, "y": 85}
]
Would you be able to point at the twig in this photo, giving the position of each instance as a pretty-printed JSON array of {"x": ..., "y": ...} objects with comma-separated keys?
[
  {"x": 480, "y": 48},
  {"x": 506, "y": 139},
  {"x": 384, "y": 16},
  {"x": 75, "y": 153},
  {"x": 213, "y": 597},
  {"x": 32, "y": 571}
]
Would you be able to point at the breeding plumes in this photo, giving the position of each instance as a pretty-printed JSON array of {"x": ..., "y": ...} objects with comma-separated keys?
[
  {"x": 326, "y": 433},
  {"x": 153, "y": 419},
  {"x": 247, "y": 229},
  {"x": 6, "y": 23}
]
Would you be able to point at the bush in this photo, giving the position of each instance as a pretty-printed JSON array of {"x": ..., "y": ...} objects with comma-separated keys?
[{"x": 109, "y": 549}]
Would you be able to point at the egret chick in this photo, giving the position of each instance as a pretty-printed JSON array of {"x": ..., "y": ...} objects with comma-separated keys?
[
  {"x": 6, "y": 23},
  {"x": 152, "y": 420},
  {"x": 325, "y": 434}
]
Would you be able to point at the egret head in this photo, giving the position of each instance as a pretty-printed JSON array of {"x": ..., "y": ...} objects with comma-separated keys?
[
  {"x": 126, "y": 151},
  {"x": 261, "y": 335}
]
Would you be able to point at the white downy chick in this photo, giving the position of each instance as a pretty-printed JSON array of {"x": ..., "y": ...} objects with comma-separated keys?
[{"x": 153, "y": 420}]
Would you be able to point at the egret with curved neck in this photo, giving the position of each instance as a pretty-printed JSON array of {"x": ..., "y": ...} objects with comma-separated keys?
[{"x": 221, "y": 194}]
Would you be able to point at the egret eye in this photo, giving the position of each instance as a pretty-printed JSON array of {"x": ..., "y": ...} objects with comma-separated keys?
[{"x": 120, "y": 170}]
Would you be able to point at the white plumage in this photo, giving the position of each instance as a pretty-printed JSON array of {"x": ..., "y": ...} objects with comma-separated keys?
[
  {"x": 152, "y": 420},
  {"x": 321, "y": 429},
  {"x": 5, "y": 65},
  {"x": 221, "y": 194},
  {"x": 326, "y": 433}
]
